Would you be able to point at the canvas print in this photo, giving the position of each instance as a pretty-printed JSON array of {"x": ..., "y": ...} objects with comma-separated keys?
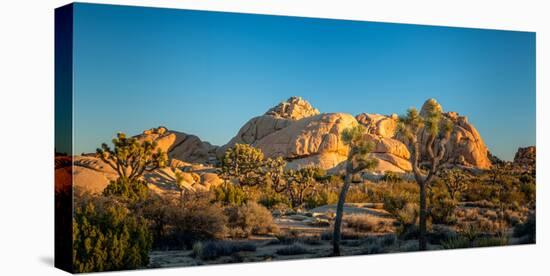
[{"x": 188, "y": 138}]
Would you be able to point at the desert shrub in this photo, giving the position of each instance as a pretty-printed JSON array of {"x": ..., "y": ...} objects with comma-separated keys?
[
  {"x": 527, "y": 230},
  {"x": 491, "y": 241},
  {"x": 395, "y": 201},
  {"x": 456, "y": 242},
  {"x": 250, "y": 218},
  {"x": 391, "y": 177},
  {"x": 228, "y": 193},
  {"x": 107, "y": 236},
  {"x": 366, "y": 223},
  {"x": 442, "y": 207},
  {"x": 478, "y": 190},
  {"x": 211, "y": 250},
  {"x": 375, "y": 248},
  {"x": 294, "y": 249},
  {"x": 512, "y": 217},
  {"x": 358, "y": 194},
  {"x": 271, "y": 199},
  {"x": 159, "y": 211},
  {"x": 197, "y": 220},
  {"x": 388, "y": 240},
  {"x": 529, "y": 191},
  {"x": 132, "y": 191},
  {"x": 321, "y": 197}
]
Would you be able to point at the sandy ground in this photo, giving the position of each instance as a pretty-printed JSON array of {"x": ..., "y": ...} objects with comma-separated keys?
[{"x": 309, "y": 237}]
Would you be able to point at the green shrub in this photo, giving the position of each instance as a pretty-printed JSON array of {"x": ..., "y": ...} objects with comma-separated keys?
[
  {"x": 212, "y": 250},
  {"x": 491, "y": 241},
  {"x": 294, "y": 249},
  {"x": 271, "y": 199},
  {"x": 442, "y": 207},
  {"x": 228, "y": 193},
  {"x": 396, "y": 200},
  {"x": 131, "y": 191},
  {"x": 107, "y": 236},
  {"x": 456, "y": 242},
  {"x": 391, "y": 177},
  {"x": 250, "y": 218},
  {"x": 322, "y": 197}
]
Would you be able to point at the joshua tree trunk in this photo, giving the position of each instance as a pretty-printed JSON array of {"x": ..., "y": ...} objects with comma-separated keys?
[
  {"x": 339, "y": 214},
  {"x": 422, "y": 218}
]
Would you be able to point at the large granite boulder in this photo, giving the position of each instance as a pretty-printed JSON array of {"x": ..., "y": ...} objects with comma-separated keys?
[
  {"x": 92, "y": 175},
  {"x": 181, "y": 146},
  {"x": 465, "y": 147}
]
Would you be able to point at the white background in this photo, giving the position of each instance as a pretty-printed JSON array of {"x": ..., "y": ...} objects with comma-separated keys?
[{"x": 26, "y": 136}]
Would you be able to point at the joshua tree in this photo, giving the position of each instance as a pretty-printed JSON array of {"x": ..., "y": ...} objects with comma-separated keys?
[
  {"x": 243, "y": 163},
  {"x": 274, "y": 173},
  {"x": 455, "y": 180},
  {"x": 357, "y": 161},
  {"x": 299, "y": 183},
  {"x": 131, "y": 158},
  {"x": 427, "y": 130}
]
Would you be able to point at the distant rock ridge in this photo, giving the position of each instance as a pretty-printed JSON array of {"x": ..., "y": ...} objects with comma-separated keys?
[{"x": 526, "y": 157}]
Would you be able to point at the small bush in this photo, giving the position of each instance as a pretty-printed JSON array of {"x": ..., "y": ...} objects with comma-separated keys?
[
  {"x": 442, "y": 207},
  {"x": 198, "y": 220},
  {"x": 129, "y": 191},
  {"x": 107, "y": 236},
  {"x": 492, "y": 241},
  {"x": 391, "y": 177},
  {"x": 294, "y": 249},
  {"x": 228, "y": 193},
  {"x": 250, "y": 218},
  {"x": 456, "y": 242},
  {"x": 212, "y": 250},
  {"x": 367, "y": 223}
]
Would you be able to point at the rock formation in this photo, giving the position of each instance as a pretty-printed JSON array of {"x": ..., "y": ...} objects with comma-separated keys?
[
  {"x": 526, "y": 157},
  {"x": 181, "y": 146},
  {"x": 294, "y": 130},
  {"x": 465, "y": 147},
  {"x": 295, "y": 108},
  {"x": 91, "y": 175}
]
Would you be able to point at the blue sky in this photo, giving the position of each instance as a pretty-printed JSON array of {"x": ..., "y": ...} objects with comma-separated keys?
[{"x": 207, "y": 73}]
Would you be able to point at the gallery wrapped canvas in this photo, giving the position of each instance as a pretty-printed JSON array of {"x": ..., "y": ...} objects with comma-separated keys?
[{"x": 188, "y": 138}]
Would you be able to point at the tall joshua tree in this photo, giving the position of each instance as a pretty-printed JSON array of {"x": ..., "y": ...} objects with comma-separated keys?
[
  {"x": 243, "y": 163},
  {"x": 131, "y": 158},
  {"x": 430, "y": 131},
  {"x": 357, "y": 161}
]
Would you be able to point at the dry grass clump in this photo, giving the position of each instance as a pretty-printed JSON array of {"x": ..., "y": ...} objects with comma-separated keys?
[
  {"x": 368, "y": 223},
  {"x": 294, "y": 249},
  {"x": 214, "y": 249},
  {"x": 250, "y": 218}
]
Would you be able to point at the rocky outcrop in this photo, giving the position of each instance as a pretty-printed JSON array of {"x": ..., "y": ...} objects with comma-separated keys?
[
  {"x": 297, "y": 132},
  {"x": 526, "y": 157},
  {"x": 91, "y": 175},
  {"x": 310, "y": 141},
  {"x": 295, "y": 108},
  {"x": 181, "y": 146},
  {"x": 465, "y": 148},
  {"x": 392, "y": 154}
]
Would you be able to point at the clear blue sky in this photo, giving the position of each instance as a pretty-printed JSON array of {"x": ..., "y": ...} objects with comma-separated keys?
[{"x": 207, "y": 73}]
